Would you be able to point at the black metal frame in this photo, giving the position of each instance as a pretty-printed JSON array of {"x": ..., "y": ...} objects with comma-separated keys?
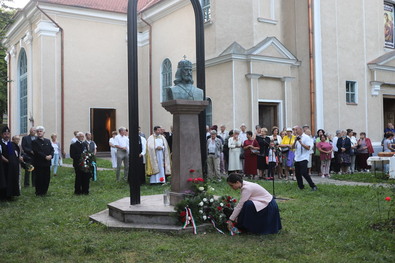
[{"x": 135, "y": 171}]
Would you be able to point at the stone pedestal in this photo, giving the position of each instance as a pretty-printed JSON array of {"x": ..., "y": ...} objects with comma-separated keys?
[{"x": 186, "y": 144}]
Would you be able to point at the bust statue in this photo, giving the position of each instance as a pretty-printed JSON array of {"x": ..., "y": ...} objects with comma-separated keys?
[{"x": 183, "y": 88}]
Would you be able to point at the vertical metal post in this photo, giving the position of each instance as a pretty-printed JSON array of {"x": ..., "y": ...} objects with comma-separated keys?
[
  {"x": 135, "y": 167},
  {"x": 200, "y": 76},
  {"x": 134, "y": 173}
]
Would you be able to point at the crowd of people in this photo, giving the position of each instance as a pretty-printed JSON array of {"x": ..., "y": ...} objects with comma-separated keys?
[
  {"x": 40, "y": 158},
  {"x": 290, "y": 154}
]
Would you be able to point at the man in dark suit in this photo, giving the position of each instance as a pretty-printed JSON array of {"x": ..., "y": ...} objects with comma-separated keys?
[
  {"x": 9, "y": 177},
  {"x": 81, "y": 185},
  {"x": 43, "y": 153},
  {"x": 28, "y": 155}
]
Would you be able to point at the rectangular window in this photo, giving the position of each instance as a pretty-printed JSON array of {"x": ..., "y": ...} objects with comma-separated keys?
[
  {"x": 266, "y": 11},
  {"x": 351, "y": 92},
  {"x": 206, "y": 7},
  {"x": 389, "y": 24}
]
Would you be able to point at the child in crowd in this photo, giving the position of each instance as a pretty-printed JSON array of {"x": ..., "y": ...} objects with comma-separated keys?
[{"x": 271, "y": 160}]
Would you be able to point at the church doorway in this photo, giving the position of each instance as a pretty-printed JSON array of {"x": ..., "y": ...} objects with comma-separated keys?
[
  {"x": 268, "y": 115},
  {"x": 102, "y": 124},
  {"x": 389, "y": 110}
]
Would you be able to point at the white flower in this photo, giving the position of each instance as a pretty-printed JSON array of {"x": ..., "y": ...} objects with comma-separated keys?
[
  {"x": 204, "y": 217},
  {"x": 221, "y": 204},
  {"x": 201, "y": 188},
  {"x": 212, "y": 188},
  {"x": 221, "y": 215},
  {"x": 201, "y": 211},
  {"x": 201, "y": 204},
  {"x": 204, "y": 199},
  {"x": 211, "y": 200}
]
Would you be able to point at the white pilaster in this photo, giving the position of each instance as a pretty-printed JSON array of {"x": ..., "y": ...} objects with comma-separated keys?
[{"x": 319, "y": 85}]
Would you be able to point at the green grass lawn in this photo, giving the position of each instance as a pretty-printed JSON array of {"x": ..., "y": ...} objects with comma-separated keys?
[
  {"x": 330, "y": 225},
  {"x": 364, "y": 177}
]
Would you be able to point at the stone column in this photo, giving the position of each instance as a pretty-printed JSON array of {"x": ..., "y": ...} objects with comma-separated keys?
[{"x": 186, "y": 144}]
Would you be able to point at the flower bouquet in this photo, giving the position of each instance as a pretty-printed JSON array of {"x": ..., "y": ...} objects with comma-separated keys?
[
  {"x": 87, "y": 161},
  {"x": 201, "y": 206},
  {"x": 27, "y": 166}
]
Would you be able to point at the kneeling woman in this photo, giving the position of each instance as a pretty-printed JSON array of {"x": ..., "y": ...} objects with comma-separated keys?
[{"x": 257, "y": 211}]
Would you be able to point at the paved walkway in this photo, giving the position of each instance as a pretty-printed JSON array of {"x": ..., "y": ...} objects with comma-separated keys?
[{"x": 316, "y": 179}]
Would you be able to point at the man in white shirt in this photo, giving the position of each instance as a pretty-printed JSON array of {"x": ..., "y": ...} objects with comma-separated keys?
[
  {"x": 302, "y": 148},
  {"x": 243, "y": 133},
  {"x": 121, "y": 142},
  {"x": 224, "y": 134},
  {"x": 335, "y": 162}
]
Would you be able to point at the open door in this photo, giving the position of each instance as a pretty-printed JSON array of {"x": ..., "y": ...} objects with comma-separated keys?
[{"x": 102, "y": 124}]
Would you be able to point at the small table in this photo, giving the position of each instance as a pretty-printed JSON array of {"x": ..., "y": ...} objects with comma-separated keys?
[{"x": 383, "y": 160}]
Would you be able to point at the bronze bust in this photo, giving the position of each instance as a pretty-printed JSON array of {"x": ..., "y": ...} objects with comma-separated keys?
[{"x": 183, "y": 88}]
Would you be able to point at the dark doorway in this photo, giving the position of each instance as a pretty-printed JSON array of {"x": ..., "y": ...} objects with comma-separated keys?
[
  {"x": 389, "y": 111},
  {"x": 102, "y": 124},
  {"x": 268, "y": 115}
]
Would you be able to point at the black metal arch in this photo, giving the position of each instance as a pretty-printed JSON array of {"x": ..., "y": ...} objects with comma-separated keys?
[{"x": 133, "y": 92}]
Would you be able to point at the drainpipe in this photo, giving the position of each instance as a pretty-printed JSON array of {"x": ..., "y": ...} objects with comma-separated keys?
[
  {"x": 150, "y": 72},
  {"x": 61, "y": 75},
  {"x": 9, "y": 89},
  {"x": 311, "y": 64}
]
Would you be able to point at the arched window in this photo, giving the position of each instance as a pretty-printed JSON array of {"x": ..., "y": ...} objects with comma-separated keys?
[
  {"x": 166, "y": 77},
  {"x": 209, "y": 113},
  {"x": 22, "y": 81}
]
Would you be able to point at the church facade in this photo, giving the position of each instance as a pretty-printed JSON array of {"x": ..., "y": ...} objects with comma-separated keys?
[{"x": 328, "y": 64}]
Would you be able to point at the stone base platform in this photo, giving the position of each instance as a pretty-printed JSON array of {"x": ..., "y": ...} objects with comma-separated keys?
[{"x": 151, "y": 214}]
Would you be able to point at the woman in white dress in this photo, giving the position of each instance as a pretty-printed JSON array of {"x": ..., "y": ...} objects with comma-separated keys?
[
  {"x": 234, "y": 144},
  {"x": 113, "y": 150}
]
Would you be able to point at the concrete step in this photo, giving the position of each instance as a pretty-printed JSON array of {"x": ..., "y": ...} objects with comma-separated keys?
[
  {"x": 151, "y": 211},
  {"x": 151, "y": 214},
  {"x": 103, "y": 154}
]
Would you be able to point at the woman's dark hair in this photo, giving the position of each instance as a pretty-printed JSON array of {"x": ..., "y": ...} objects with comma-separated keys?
[
  {"x": 326, "y": 137},
  {"x": 230, "y": 133},
  {"x": 318, "y": 132},
  {"x": 249, "y": 133},
  {"x": 234, "y": 178},
  {"x": 388, "y": 135}
]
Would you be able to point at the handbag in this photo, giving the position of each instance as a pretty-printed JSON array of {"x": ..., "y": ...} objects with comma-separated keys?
[
  {"x": 284, "y": 149},
  {"x": 255, "y": 151},
  {"x": 242, "y": 154},
  {"x": 290, "y": 158}
]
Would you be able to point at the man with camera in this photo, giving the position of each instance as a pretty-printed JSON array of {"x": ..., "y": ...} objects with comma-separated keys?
[{"x": 302, "y": 146}]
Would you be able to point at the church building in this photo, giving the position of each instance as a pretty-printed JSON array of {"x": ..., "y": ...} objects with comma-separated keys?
[{"x": 328, "y": 64}]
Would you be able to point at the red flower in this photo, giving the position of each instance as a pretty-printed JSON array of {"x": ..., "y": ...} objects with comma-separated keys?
[
  {"x": 161, "y": 179},
  {"x": 191, "y": 170},
  {"x": 195, "y": 180},
  {"x": 229, "y": 198},
  {"x": 183, "y": 213},
  {"x": 200, "y": 179},
  {"x": 234, "y": 200},
  {"x": 388, "y": 198},
  {"x": 228, "y": 205},
  {"x": 219, "y": 208},
  {"x": 190, "y": 179}
]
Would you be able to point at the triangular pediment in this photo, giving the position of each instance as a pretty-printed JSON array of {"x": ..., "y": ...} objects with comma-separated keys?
[
  {"x": 271, "y": 47},
  {"x": 234, "y": 48},
  {"x": 269, "y": 50},
  {"x": 385, "y": 61}
]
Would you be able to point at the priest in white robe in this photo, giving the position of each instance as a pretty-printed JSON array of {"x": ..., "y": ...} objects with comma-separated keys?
[{"x": 157, "y": 157}]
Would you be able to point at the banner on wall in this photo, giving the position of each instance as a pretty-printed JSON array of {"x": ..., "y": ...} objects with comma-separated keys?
[{"x": 389, "y": 25}]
